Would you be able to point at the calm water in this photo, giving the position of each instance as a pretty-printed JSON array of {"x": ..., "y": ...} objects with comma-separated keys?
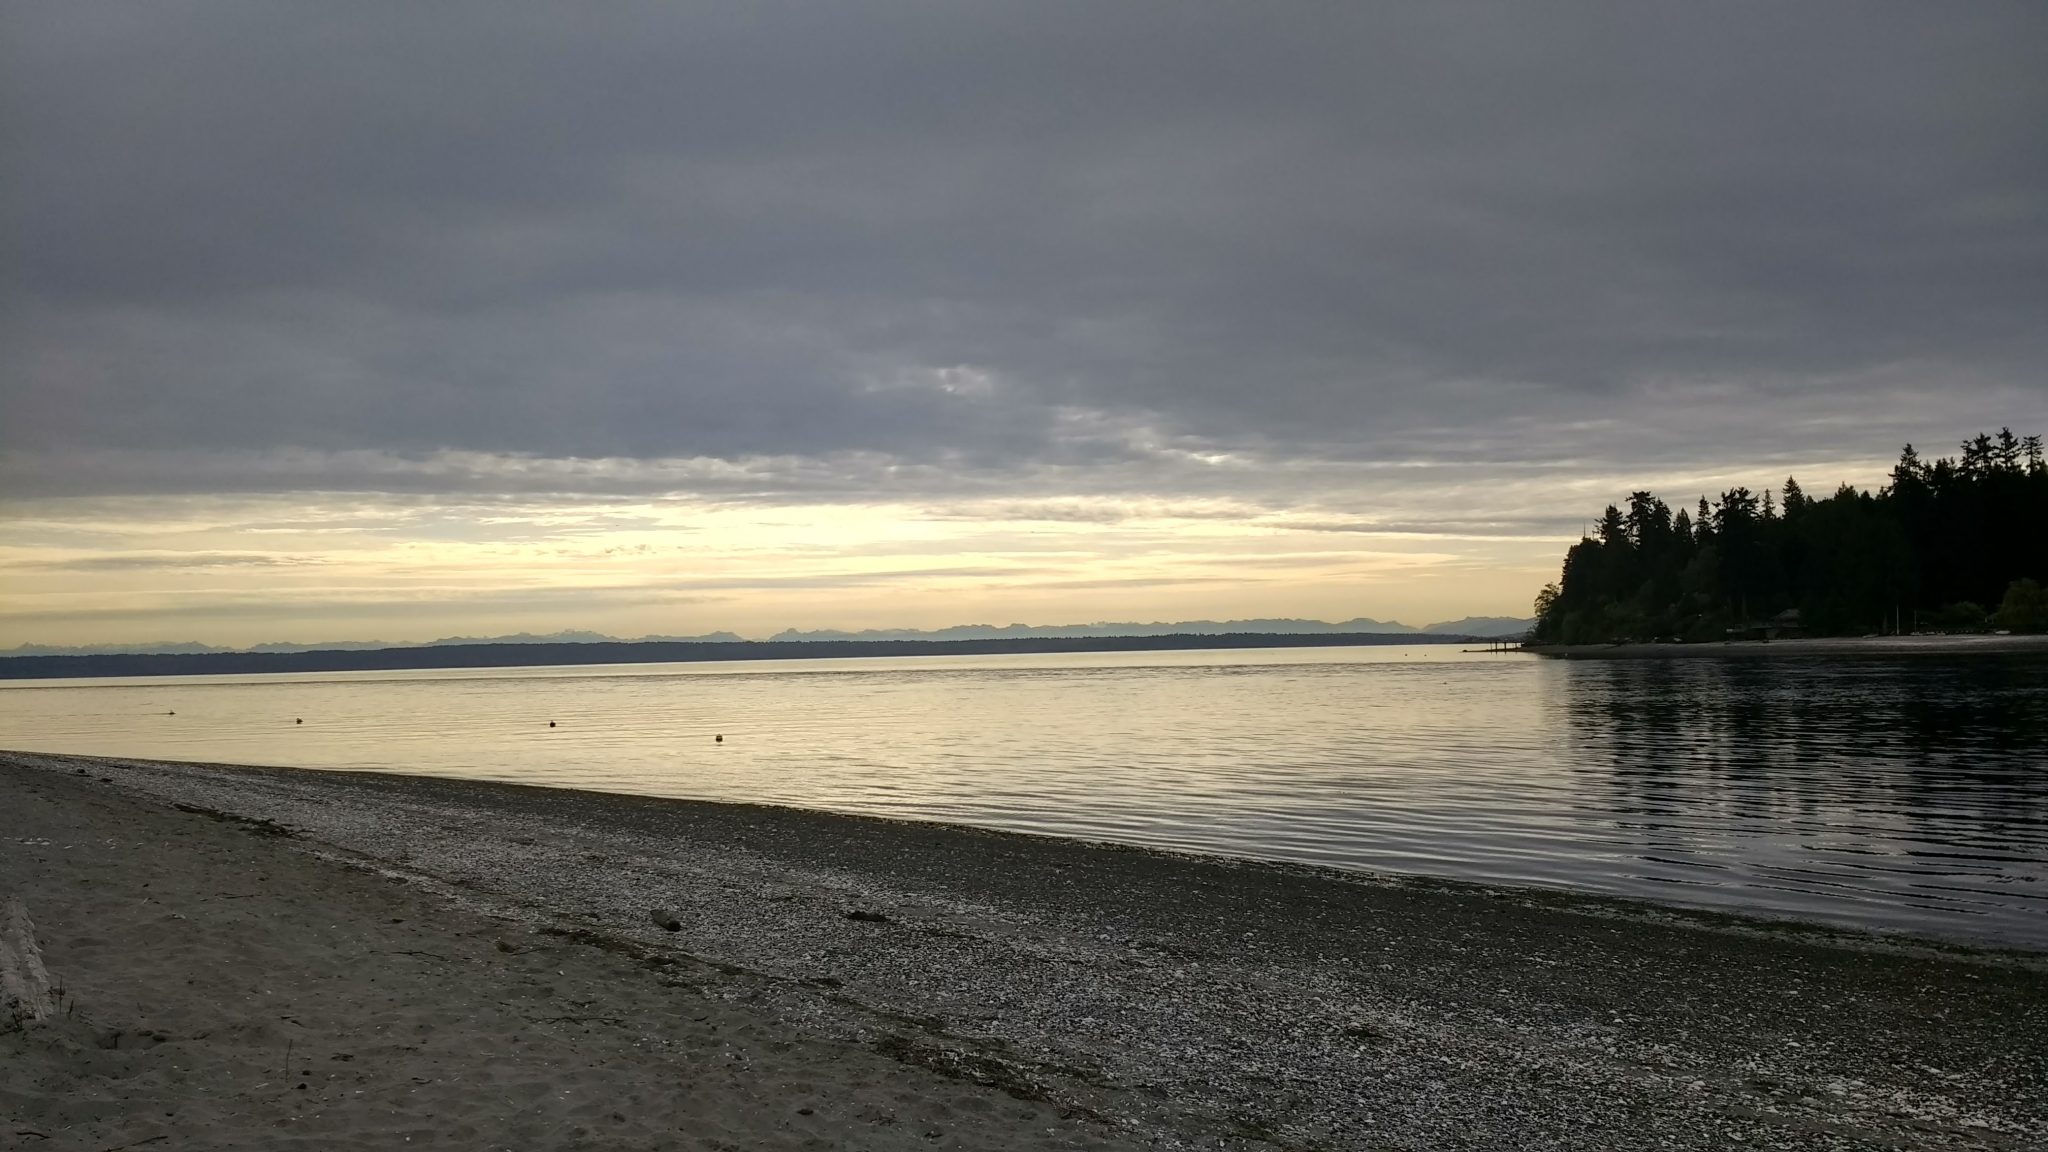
[{"x": 1908, "y": 794}]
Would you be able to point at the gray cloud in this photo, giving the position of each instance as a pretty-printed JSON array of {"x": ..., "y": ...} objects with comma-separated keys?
[
  {"x": 897, "y": 250},
  {"x": 151, "y": 562},
  {"x": 265, "y": 608},
  {"x": 1534, "y": 528}
]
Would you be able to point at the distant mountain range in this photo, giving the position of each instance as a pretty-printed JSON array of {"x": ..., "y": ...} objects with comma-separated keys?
[
  {"x": 187, "y": 647},
  {"x": 1469, "y": 626},
  {"x": 1482, "y": 626}
]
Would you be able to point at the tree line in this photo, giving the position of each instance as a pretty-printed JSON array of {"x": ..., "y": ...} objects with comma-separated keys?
[{"x": 1959, "y": 544}]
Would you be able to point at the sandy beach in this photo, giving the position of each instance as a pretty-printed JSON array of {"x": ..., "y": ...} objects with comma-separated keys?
[{"x": 277, "y": 958}]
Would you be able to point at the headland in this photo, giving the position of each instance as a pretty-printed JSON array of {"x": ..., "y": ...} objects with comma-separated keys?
[{"x": 1804, "y": 648}]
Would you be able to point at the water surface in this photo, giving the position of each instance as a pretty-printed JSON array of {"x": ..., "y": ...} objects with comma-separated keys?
[{"x": 1907, "y": 795}]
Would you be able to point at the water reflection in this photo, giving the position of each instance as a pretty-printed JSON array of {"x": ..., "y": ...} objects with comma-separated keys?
[
  {"x": 1908, "y": 795},
  {"x": 1836, "y": 790}
]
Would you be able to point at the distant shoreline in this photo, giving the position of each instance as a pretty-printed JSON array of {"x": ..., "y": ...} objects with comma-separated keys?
[
  {"x": 1804, "y": 648},
  {"x": 661, "y": 652}
]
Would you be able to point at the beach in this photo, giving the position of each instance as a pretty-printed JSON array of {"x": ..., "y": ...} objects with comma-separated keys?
[{"x": 286, "y": 958}]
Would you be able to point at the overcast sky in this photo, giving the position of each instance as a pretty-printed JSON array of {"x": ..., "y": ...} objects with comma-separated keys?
[{"x": 396, "y": 320}]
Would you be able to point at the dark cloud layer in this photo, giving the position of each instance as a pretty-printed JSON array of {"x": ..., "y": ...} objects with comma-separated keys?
[{"x": 998, "y": 240}]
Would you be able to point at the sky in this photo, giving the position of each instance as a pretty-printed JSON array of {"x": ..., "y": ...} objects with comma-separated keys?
[{"x": 398, "y": 321}]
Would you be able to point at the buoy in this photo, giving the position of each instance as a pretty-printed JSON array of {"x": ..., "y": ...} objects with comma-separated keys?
[
  {"x": 299, "y": 720},
  {"x": 551, "y": 723},
  {"x": 718, "y": 739}
]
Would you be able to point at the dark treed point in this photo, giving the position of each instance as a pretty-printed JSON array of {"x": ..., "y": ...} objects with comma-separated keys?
[{"x": 1959, "y": 545}]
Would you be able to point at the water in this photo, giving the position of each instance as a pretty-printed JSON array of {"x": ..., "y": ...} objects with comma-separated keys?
[{"x": 1907, "y": 795}]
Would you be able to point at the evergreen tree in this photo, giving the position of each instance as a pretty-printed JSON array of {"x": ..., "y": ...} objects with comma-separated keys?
[{"x": 1936, "y": 542}]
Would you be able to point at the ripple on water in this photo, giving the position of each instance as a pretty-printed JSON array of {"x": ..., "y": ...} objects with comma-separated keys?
[{"x": 1905, "y": 795}]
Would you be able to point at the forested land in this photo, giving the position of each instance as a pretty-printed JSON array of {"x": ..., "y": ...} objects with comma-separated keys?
[{"x": 1960, "y": 544}]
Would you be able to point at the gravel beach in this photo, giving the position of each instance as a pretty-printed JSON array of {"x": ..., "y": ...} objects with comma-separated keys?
[{"x": 462, "y": 964}]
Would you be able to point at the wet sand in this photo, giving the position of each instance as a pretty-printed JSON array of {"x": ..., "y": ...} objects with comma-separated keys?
[{"x": 473, "y": 965}]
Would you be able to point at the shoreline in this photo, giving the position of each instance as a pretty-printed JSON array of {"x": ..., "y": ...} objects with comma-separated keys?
[
  {"x": 1802, "y": 648},
  {"x": 1558, "y": 896},
  {"x": 599, "y": 653},
  {"x": 1174, "y": 999}
]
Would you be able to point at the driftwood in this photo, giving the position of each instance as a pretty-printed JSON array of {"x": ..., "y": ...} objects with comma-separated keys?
[{"x": 24, "y": 982}]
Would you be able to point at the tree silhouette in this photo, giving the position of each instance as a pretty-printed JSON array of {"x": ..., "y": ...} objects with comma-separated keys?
[
  {"x": 2024, "y": 609},
  {"x": 1931, "y": 546}
]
